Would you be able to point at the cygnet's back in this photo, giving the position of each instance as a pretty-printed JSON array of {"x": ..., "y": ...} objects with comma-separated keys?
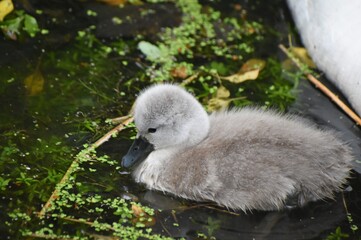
[{"x": 249, "y": 159}]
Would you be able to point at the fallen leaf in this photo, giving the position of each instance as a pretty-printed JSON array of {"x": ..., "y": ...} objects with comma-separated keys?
[
  {"x": 249, "y": 71},
  {"x": 302, "y": 55},
  {"x": 34, "y": 83},
  {"x": 142, "y": 217},
  {"x": 103, "y": 237},
  {"x": 288, "y": 65},
  {"x": 6, "y": 7},
  {"x": 241, "y": 77},
  {"x": 114, "y": 2},
  {"x": 179, "y": 72},
  {"x": 137, "y": 210},
  {"x": 253, "y": 64},
  {"x": 217, "y": 104},
  {"x": 223, "y": 92},
  {"x": 221, "y": 101},
  {"x": 152, "y": 52}
]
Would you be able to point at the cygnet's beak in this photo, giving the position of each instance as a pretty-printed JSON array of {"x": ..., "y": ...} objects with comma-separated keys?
[{"x": 138, "y": 152}]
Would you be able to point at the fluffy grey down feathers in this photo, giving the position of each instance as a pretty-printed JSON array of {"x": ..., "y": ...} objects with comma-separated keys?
[{"x": 241, "y": 159}]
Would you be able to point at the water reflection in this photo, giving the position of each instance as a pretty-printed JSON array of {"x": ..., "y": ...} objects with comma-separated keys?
[{"x": 315, "y": 221}]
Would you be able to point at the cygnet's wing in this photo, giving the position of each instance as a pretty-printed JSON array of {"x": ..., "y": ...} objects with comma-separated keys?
[{"x": 253, "y": 159}]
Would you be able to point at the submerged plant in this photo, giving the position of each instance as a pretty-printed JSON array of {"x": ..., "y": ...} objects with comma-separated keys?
[
  {"x": 337, "y": 235},
  {"x": 72, "y": 90},
  {"x": 18, "y": 23},
  {"x": 206, "y": 47}
]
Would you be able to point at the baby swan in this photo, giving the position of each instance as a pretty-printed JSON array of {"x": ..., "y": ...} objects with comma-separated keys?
[{"x": 241, "y": 159}]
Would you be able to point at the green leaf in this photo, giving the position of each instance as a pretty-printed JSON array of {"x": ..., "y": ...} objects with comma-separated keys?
[
  {"x": 12, "y": 25},
  {"x": 152, "y": 52},
  {"x": 4, "y": 183},
  {"x": 31, "y": 25}
]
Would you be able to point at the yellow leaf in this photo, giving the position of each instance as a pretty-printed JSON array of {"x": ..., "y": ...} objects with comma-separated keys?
[
  {"x": 221, "y": 101},
  {"x": 217, "y": 104},
  {"x": 34, "y": 83},
  {"x": 223, "y": 92},
  {"x": 249, "y": 71},
  {"x": 114, "y": 2},
  {"x": 6, "y": 6},
  {"x": 241, "y": 77},
  {"x": 302, "y": 55},
  {"x": 253, "y": 64}
]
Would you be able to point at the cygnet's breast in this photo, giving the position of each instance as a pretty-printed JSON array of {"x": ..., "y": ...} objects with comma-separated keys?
[{"x": 152, "y": 168}]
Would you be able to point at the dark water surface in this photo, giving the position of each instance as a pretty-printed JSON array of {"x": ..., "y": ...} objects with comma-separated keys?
[{"x": 36, "y": 120}]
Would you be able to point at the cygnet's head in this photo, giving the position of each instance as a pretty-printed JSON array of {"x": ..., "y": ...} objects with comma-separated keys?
[{"x": 167, "y": 116}]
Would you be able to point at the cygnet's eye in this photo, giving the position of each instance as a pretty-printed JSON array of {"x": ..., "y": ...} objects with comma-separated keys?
[{"x": 152, "y": 130}]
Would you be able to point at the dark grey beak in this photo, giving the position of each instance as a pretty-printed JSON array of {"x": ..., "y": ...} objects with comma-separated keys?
[{"x": 138, "y": 152}]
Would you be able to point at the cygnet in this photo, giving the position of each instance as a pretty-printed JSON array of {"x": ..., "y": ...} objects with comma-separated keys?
[{"x": 242, "y": 159}]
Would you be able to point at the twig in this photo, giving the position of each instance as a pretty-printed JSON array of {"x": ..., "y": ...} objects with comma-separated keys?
[
  {"x": 118, "y": 120},
  {"x": 344, "y": 203},
  {"x": 164, "y": 228},
  {"x": 189, "y": 79},
  {"x": 75, "y": 163},
  {"x": 115, "y": 130},
  {"x": 209, "y": 206},
  {"x": 322, "y": 87},
  {"x": 44, "y": 236}
]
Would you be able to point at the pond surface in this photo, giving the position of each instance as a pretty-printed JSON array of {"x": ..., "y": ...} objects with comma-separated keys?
[{"x": 58, "y": 89}]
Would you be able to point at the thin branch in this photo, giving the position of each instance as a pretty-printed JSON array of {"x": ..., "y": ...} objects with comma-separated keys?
[
  {"x": 164, "y": 228},
  {"x": 75, "y": 163},
  {"x": 44, "y": 236},
  {"x": 209, "y": 206},
  {"x": 344, "y": 203},
  {"x": 189, "y": 79},
  {"x": 322, "y": 87},
  {"x": 115, "y": 130}
]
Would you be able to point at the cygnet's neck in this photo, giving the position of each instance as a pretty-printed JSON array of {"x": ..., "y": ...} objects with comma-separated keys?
[{"x": 198, "y": 129}]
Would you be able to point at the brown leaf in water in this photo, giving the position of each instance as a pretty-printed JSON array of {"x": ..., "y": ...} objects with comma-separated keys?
[
  {"x": 253, "y": 64},
  {"x": 241, "y": 77},
  {"x": 179, "y": 72},
  {"x": 103, "y": 237},
  {"x": 249, "y": 71},
  {"x": 34, "y": 83},
  {"x": 217, "y": 103},
  {"x": 140, "y": 216},
  {"x": 223, "y": 92},
  {"x": 221, "y": 101},
  {"x": 114, "y": 2},
  {"x": 137, "y": 210},
  {"x": 6, "y": 7},
  {"x": 302, "y": 55}
]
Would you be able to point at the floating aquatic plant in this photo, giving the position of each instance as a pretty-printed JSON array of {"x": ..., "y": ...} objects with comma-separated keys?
[{"x": 89, "y": 79}]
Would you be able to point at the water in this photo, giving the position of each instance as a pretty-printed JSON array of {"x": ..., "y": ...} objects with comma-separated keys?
[{"x": 41, "y": 134}]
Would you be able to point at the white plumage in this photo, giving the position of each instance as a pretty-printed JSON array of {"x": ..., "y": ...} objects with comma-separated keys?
[{"x": 331, "y": 32}]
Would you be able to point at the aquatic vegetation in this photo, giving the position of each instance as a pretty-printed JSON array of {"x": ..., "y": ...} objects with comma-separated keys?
[
  {"x": 88, "y": 81},
  {"x": 225, "y": 43},
  {"x": 18, "y": 23},
  {"x": 61, "y": 97},
  {"x": 337, "y": 235}
]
